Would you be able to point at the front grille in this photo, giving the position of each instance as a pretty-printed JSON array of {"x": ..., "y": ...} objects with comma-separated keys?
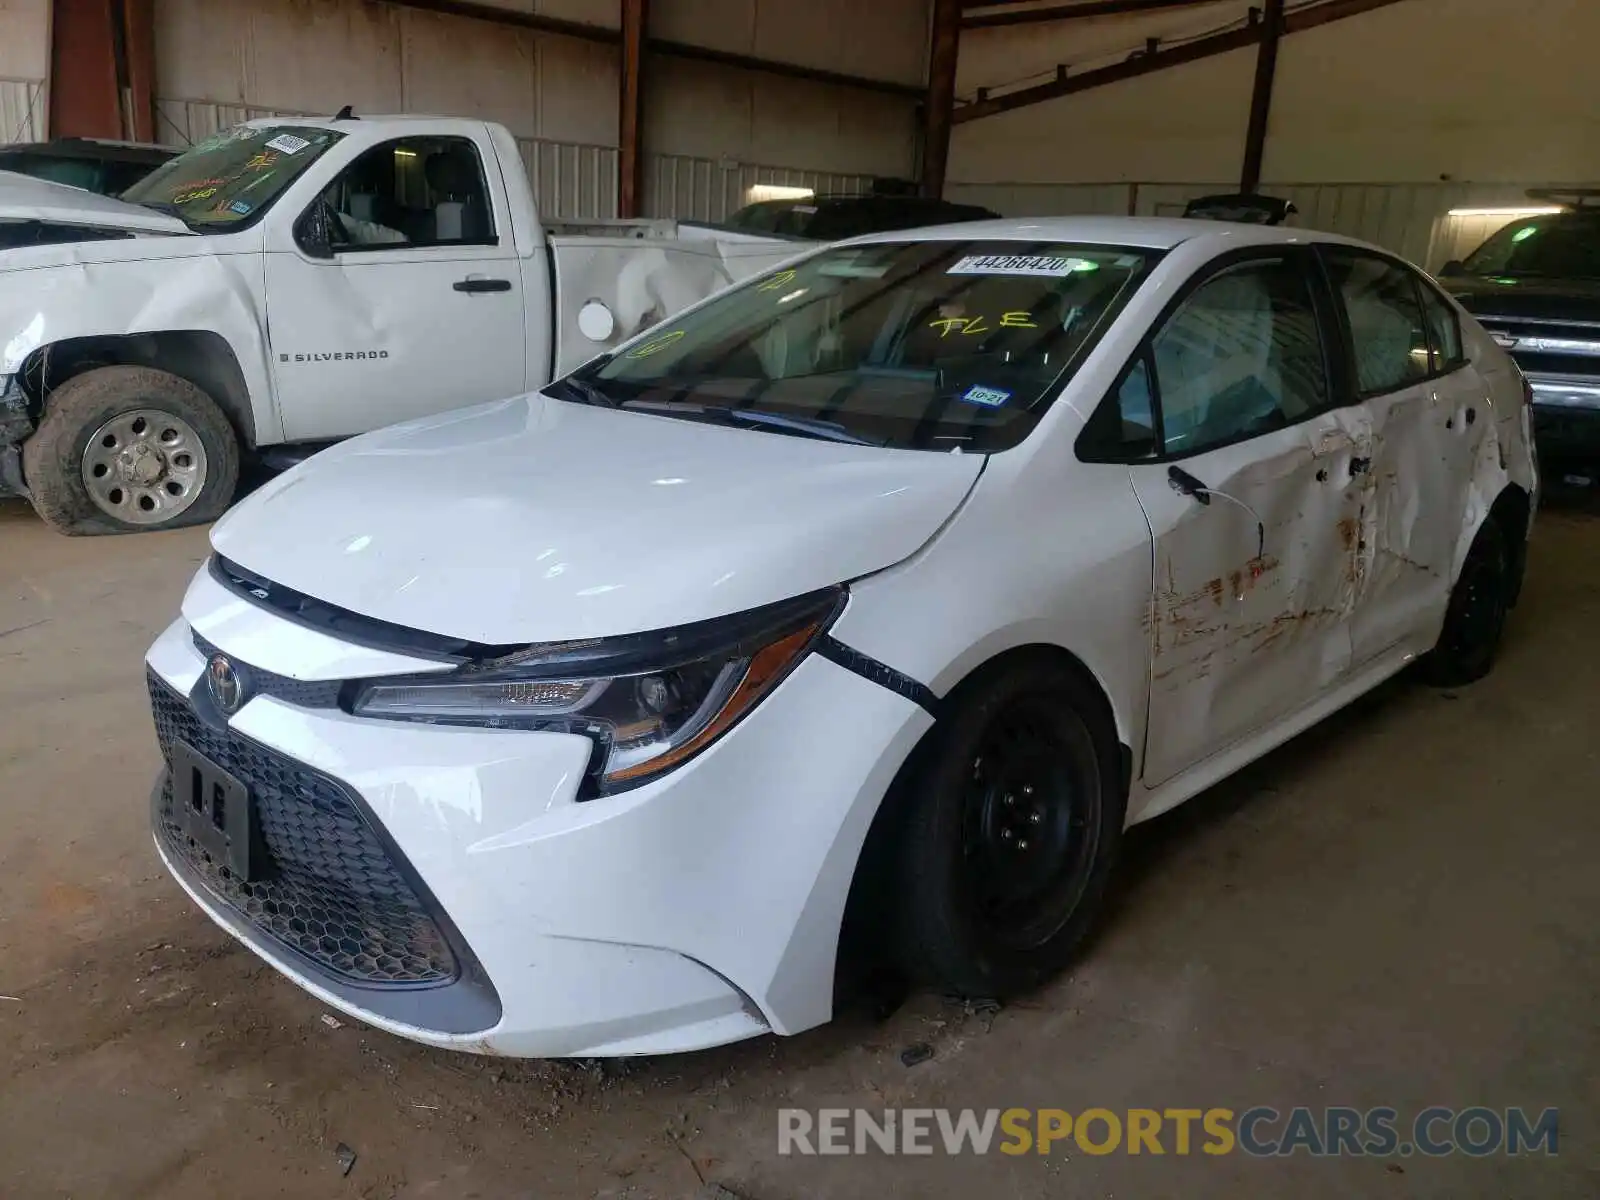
[
  {"x": 330, "y": 891},
  {"x": 314, "y": 693}
]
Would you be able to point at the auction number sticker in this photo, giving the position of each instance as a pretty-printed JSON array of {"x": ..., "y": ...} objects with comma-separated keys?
[
  {"x": 1050, "y": 266},
  {"x": 655, "y": 345},
  {"x": 288, "y": 143}
]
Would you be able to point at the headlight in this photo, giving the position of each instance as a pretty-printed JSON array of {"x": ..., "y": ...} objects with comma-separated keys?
[{"x": 648, "y": 701}]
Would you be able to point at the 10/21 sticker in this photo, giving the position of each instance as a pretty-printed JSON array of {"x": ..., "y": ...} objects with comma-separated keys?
[
  {"x": 1049, "y": 266},
  {"x": 987, "y": 397}
]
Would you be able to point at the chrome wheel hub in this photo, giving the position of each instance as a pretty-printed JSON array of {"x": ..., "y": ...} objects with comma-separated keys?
[{"x": 144, "y": 467}]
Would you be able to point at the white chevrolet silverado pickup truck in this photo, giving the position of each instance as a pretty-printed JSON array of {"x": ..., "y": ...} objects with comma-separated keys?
[{"x": 290, "y": 282}]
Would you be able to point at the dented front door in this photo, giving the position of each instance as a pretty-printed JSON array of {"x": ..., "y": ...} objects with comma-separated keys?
[{"x": 1249, "y": 616}]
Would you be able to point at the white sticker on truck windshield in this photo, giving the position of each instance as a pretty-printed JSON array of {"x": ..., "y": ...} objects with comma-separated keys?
[
  {"x": 1019, "y": 264},
  {"x": 288, "y": 143}
]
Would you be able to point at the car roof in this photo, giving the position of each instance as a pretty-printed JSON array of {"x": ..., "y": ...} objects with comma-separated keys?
[{"x": 1144, "y": 233}]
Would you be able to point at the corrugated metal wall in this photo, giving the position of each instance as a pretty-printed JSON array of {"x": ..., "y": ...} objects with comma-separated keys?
[
  {"x": 712, "y": 130},
  {"x": 704, "y": 189},
  {"x": 23, "y": 111},
  {"x": 1412, "y": 220},
  {"x": 24, "y": 67}
]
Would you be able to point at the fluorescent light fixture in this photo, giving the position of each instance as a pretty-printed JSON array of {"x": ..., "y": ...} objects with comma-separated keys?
[
  {"x": 399, "y": 153},
  {"x": 1509, "y": 214},
  {"x": 777, "y": 191}
]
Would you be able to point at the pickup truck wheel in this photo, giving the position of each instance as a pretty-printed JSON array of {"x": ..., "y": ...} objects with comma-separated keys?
[{"x": 125, "y": 449}]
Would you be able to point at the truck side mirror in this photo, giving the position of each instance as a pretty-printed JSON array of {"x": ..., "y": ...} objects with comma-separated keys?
[
  {"x": 313, "y": 233},
  {"x": 1454, "y": 267}
]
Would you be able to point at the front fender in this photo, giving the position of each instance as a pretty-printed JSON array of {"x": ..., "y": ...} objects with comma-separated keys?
[{"x": 53, "y": 294}]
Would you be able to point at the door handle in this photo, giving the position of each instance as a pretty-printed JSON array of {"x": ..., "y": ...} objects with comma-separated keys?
[{"x": 471, "y": 284}]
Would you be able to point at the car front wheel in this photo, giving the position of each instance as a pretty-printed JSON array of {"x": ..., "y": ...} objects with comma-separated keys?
[{"x": 1012, "y": 820}]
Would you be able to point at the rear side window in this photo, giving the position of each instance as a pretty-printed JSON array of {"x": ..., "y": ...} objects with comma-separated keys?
[{"x": 1383, "y": 306}]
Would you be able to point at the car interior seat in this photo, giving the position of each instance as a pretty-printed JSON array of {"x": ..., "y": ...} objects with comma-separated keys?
[{"x": 460, "y": 211}]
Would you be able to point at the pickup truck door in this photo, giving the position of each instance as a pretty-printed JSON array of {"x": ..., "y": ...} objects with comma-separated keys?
[{"x": 398, "y": 292}]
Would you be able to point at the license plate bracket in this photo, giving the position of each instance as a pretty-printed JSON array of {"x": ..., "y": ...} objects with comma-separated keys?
[{"x": 215, "y": 808}]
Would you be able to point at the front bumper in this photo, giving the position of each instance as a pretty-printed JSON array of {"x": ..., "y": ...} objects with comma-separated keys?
[
  {"x": 699, "y": 909},
  {"x": 1566, "y": 417}
]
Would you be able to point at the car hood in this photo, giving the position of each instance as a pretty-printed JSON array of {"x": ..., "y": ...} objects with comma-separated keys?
[
  {"x": 1528, "y": 299},
  {"x": 535, "y": 519},
  {"x": 24, "y": 198}
]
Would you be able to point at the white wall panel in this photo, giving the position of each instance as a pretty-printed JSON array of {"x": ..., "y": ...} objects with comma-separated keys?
[
  {"x": 25, "y": 39},
  {"x": 583, "y": 12},
  {"x": 1480, "y": 90},
  {"x": 705, "y": 111},
  {"x": 1184, "y": 123},
  {"x": 1012, "y": 54},
  {"x": 24, "y": 68},
  {"x": 880, "y": 39}
]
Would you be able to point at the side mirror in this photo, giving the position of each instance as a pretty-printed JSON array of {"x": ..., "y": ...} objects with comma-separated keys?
[
  {"x": 1454, "y": 267},
  {"x": 313, "y": 233}
]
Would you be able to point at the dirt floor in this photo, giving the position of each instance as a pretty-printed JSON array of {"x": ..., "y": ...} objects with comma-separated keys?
[{"x": 1398, "y": 908}]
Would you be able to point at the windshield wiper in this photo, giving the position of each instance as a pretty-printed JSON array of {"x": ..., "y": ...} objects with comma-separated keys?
[
  {"x": 581, "y": 391},
  {"x": 828, "y": 431}
]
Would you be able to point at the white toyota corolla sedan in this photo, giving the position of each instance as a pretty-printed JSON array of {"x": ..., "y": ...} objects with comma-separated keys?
[{"x": 874, "y": 597}]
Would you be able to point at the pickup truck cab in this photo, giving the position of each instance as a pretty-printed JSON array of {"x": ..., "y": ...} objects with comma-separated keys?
[{"x": 290, "y": 282}]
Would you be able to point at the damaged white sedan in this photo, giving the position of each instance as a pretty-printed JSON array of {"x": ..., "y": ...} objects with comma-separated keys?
[{"x": 865, "y": 604}]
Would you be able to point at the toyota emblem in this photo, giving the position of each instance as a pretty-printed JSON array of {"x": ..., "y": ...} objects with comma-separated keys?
[{"x": 224, "y": 684}]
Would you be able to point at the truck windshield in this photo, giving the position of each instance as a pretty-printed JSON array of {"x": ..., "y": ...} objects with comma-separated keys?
[
  {"x": 233, "y": 177},
  {"x": 927, "y": 345},
  {"x": 1558, "y": 246}
]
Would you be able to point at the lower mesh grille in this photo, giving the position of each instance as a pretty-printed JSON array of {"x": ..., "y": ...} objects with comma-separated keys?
[{"x": 330, "y": 891}]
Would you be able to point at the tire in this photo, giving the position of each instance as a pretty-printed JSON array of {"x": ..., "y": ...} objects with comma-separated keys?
[
  {"x": 982, "y": 909},
  {"x": 130, "y": 449},
  {"x": 1476, "y": 616}
]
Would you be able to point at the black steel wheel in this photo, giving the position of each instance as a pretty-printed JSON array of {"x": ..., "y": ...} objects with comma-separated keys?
[
  {"x": 1012, "y": 816},
  {"x": 1476, "y": 617}
]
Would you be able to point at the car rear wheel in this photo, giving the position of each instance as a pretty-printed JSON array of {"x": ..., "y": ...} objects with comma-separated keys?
[
  {"x": 124, "y": 449},
  {"x": 1475, "y": 619},
  {"x": 1013, "y": 816}
]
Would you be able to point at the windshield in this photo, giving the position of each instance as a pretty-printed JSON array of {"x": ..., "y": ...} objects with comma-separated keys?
[
  {"x": 929, "y": 345},
  {"x": 234, "y": 177},
  {"x": 1559, "y": 246}
]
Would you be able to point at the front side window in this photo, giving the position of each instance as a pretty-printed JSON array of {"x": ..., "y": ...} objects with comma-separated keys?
[
  {"x": 1240, "y": 357},
  {"x": 234, "y": 177},
  {"x": 1444, "y": 330},
  {"x": 412, "y": 192},
  {"x": 1387, "y": 331},
  {"x": 928, "y": 345}
]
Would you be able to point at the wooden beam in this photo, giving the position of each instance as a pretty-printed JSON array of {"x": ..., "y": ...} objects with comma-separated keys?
[
  {"x": 85, "y": 100},
  {"x": 943, "y": 49},
  {"x": 1297, "y": 21},
  {"x": 139, "y": 70},
  {"x": 1255, "y": 137},
  {"x": 613, "y": 37},
  {"x": 630, "y": 159},
  {"x": 1071, "y": 12}
]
